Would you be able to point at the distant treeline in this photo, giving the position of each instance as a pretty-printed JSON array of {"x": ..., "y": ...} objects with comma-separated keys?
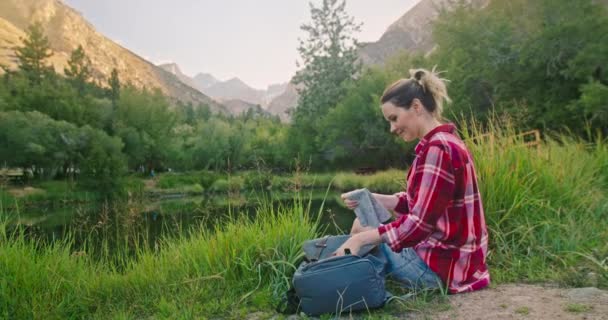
[{"x": 544, "y": 64}]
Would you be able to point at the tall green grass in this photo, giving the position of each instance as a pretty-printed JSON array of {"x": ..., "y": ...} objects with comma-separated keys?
[
  {"x": 241, "y": 264},
  {"x": 546, "y": 206}
]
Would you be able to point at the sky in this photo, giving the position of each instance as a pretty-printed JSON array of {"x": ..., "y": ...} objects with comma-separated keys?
[{"x": 255, "y": 41}]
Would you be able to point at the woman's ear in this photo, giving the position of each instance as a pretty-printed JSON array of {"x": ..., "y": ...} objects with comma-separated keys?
[{"x": 417, "y": 106}]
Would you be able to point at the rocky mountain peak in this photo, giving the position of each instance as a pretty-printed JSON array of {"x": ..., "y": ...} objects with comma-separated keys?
[
  {"x": 66, "y": 29},
  {"x": 204, "y": 80}
]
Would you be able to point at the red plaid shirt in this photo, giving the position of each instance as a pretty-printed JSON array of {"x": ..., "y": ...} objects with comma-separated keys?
[{"x": 441, "y": 215}]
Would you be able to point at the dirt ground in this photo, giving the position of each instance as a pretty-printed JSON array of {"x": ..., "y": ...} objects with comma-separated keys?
[
  {"x": 522, "y": 301},
  {"x": 508, "y": 301}
]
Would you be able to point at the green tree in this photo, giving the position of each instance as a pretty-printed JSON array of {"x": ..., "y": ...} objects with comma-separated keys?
[
  {"x": 593, "y": 105},
  {"x": 49, "y": 148},
  {"x": 114, "y": 83},
  {"x": 355, "y": 133},
  {"x": 144, "y": 122},
  {"x": 79, "y": 70},
  {"x": 528, "y": 59},
  {"x": 31, "y": 57},
  {"x": 329, "y": 58}
]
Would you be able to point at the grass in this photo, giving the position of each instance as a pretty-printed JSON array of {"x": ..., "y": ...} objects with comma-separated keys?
[
  {"x": 546, "y": 209},
  {"x": 389, "y": 181},
  {"x": 239, "y": 265},
  {"x": 578, "y": 308},
  {"x": 523, "y": 311}
]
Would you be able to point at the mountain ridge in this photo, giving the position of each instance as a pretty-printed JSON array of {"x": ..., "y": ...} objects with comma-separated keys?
[
  {"x": 66, "y": 28},
  {"x": 228, "y": 90}
]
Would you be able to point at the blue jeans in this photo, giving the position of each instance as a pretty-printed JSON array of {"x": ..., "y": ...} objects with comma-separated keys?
[{"x": 407, "y": 268}]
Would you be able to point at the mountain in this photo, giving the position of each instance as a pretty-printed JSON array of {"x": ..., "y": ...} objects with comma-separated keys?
[
  {"x": 9, "y": 37},
  {"x": 173, "y": 68},
  {"x": 411, "y": 32},
  {"x": 284, "y": 102},
  {"x": 204, "y": 80},
  {"x": 238, "y": 107},
  {"x": 273, "y": 91},
  {"x": 66, "y": 29},
  {"x": 234, "y": 94},
  {"x": 234, "y": 88}
]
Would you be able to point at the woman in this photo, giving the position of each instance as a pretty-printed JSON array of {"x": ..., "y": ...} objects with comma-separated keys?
[{"x": 439, "y": 231}]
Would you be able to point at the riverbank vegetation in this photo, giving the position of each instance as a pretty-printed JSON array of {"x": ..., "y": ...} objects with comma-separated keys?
[{"x": 545, "y": 206}]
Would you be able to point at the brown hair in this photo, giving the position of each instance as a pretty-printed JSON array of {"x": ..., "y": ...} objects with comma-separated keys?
[{"x": 423, "y": 85}]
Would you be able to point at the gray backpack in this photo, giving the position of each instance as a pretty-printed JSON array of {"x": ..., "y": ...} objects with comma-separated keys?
[{"x": 326, "y": 284}]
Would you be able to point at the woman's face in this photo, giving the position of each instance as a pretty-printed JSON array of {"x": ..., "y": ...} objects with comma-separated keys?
[{"x": 404, "y": 122}]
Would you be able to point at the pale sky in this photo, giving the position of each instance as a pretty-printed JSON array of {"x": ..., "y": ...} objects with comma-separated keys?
[{"x": 255, "y": 41}]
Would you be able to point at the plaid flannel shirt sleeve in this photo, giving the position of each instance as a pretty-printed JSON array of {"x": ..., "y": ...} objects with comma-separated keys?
[
  {"x": 402, "y": 206},
  {"x": 434, "y": 181}
]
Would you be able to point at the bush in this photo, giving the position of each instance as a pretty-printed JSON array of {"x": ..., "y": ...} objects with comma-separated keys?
[
  {"x": 256, "y": 180},
  {"x": 207, "y": 178},
  {"x": 387, "y": 182},
  {"x": 173, "y": 180},
  {"x": 233, "y": 185}
]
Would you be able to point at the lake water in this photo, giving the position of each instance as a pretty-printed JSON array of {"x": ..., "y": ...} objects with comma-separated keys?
[{"x": 151, "y": 219}]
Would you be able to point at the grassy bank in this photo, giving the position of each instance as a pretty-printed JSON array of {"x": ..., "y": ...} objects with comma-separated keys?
[
  {"x": 240, "y": 265},
  {"x": 546, "y": 208}
]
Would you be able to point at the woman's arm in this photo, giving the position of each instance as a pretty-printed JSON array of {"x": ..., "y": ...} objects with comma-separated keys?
[
  {"x": 435, "y": 183},
  {"x": 389, "y": 201}
]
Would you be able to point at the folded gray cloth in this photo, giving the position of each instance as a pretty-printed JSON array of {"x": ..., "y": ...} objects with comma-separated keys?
[{"x": 369, "y": 211}]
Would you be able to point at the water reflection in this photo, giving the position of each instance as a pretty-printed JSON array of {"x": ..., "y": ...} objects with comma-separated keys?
[{"x": 146, "y": 221}]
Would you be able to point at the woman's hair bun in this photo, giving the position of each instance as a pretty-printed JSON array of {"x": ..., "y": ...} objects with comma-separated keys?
[{"x": 433, "y": 84}]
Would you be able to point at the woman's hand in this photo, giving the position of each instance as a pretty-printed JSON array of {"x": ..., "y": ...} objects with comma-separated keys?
[
  {"x": 356, "y": 241},
  {"x": 353, "y": 244},
  {"x": 351, "y": 204}
]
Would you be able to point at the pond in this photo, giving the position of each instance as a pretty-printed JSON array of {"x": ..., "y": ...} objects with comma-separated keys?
[{"x": 149, "y": 219}]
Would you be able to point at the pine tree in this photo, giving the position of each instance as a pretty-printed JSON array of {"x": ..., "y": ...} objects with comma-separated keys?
[
  {"x": 32, "y": 55},
  {"x": 114, "y": 83},
  {"x": 79, "y": 69}
]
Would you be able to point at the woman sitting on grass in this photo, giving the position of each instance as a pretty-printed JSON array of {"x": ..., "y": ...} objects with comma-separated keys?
[{"x": 439, "y": 236}]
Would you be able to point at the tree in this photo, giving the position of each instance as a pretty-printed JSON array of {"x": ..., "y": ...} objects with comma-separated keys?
[
  {"x": 35, "y": 51},
  {"x": 355, "y": 134},
  {"x": 527, "y": 59},
  {"x": 78, "y": 71},
  {"x": 114, "y": 83},
  {"x": 144, "y": 122},
  {"x": 329, "y": 57},
  {"x": 49, "y": 147}
]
